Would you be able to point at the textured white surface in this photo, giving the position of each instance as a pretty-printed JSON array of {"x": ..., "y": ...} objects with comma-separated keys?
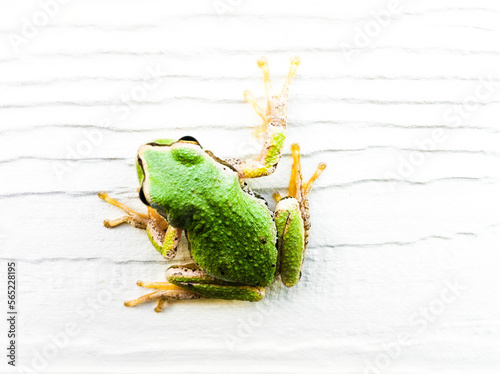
[{"x": 387, "y": 247}]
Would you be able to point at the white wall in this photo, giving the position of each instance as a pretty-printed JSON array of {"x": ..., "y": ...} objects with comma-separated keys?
[{"x": 402, "y": 269}]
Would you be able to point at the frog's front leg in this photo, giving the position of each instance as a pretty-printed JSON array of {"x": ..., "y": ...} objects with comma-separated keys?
[
  {"x": 190, "y": 282},
  {"x": 164, "y": 237},
  {"x": 293, "y": 221},
  {"x": 274, "y": 125}
]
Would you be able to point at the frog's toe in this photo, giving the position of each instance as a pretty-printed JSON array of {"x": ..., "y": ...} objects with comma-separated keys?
[
  {"x": 297, "y": 187},
  {"x": 133, "y": 218},
  {"x": 251, "y": 100},
  {"x": 165, "y": 292},
  {"x": 277, "y": 197},
  {"x": 310, "y": 182}
]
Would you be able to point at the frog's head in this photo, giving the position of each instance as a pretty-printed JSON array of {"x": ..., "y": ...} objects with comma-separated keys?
[{"x": 179, "y": 179}]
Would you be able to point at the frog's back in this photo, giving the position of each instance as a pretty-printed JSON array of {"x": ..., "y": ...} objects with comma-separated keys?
[
  {"x": 231, "y": 233},
  {"x": 234, "y": 238}
]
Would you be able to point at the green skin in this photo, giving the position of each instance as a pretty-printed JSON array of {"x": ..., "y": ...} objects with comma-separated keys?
[{"x": 234, "y": 240}]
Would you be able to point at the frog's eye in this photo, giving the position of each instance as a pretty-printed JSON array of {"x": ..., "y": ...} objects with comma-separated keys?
[
  {"x": 143, "y": 197},
  {"x": 188, "y": 139}
]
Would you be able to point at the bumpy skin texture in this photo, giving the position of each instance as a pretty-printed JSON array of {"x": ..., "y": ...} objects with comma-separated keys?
[
  {"x": 193, "y": 279},
  {"x": 237, "y": 247},
  {"x": 232, "y": 235},
  {"x": 290, "y": 228},
  {"x": 243, "y": 293}
]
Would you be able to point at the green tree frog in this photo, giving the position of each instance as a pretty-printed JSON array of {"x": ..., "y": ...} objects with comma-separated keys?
[{"x": 238, "y": 246}]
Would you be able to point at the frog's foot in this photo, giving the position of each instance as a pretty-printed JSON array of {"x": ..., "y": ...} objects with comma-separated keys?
[
  {"x": 274, "y": 124},
  {"x": 165, "y": 291},
  {"x": 297, "y": 188},
  {"x": 133, "y": 218},
  {"x": 277, "y": 105},
  {"x": 300, "y": 190},
  {"x": 165, "y": 238}
]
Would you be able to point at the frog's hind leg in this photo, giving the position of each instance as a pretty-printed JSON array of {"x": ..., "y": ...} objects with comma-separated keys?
[
  {"x": 193, "y": 279},
  {"x": 186, "y": 282},
  {"x": 274, "y": 118},
  {"x": 164, "y": 237},
  {"x": 293, "y": 221}
]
